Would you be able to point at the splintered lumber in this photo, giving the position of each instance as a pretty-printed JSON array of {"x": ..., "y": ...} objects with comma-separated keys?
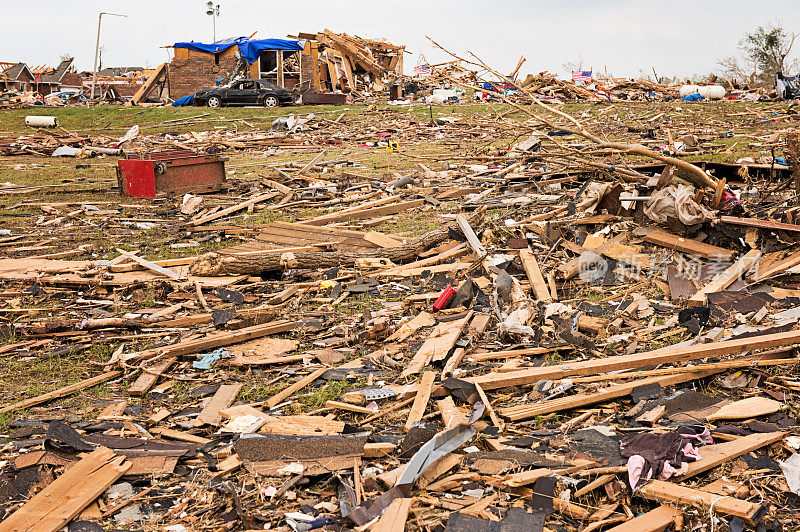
[
  {"x": 687, "y": 245},
  {"x": 538, "y": 284},
  {"x": 472, "y": 239},
  {"x": 441, "y": 340},
  {"x": 150, "y": 375},
  {"x": 476, "y": 328},
  {"x": 681, "y": 496},
  {"x": 223, "y": 398},
  {"x": 421, "y": 400},
  {"x": 423, "y": 319},
  {"x": 760, "y": 224},
  {"x": 213, "y": 341},
  {"x": 66, "y": 497},
  {"x": 726, "y": 278},
  {"x": 656, "y": 520},
  {"x": 492, "y": 414},
  {"x": 451, "y": 415},
  {"x": 777, "y": 267},
  {"x": 152, "y": 266},
  {"x": 234, "y": 208},
  {"x": 214, "y": 264},
  {"x": 279, "y": 397},
  {"x": 392, "y": 208},
  {"x": 61, "y": 392},
  {"x": 492, "y": 381},
  {"x": 717, "y": 454},
  {"x": 518, "y": 413},
  {"x": 394, "y": 518}
]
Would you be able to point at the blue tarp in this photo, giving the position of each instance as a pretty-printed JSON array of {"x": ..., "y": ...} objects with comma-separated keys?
[
  {"x": 250, "y": 49},
  {"x": 183, "y": 102}
]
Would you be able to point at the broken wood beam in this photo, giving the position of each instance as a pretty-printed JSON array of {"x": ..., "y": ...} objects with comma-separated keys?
[
  {"x": 492, "y": 381},
  {"x": 682, "y": 496}
]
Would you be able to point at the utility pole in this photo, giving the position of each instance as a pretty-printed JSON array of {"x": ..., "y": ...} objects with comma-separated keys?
[
  {"x": 213, "y": 11},
  {"x": 97, "y": 46}
]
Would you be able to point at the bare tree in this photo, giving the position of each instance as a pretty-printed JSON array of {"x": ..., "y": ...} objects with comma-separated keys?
[
  {"x": 573, "y": 65},
  {"x": 767, "y": 49}
]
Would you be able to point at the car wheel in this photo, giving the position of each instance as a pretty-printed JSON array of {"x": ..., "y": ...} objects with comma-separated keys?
[
  {"x": 270, "y": 101},
  {"x": 214, "y": 101}
]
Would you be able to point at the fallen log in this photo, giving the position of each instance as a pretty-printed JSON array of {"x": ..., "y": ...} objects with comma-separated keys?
[{"x": 215, "y": 264}]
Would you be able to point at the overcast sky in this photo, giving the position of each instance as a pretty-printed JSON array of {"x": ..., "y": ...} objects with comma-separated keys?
[{"x": 625, "y": 37}]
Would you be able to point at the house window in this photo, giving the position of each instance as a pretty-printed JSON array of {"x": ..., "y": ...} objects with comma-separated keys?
[{"x": 216, "y": 59}]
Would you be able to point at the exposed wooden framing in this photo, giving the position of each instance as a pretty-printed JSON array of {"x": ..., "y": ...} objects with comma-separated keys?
[
  {"x": 493, "y": 381},
  {"x": 279, "y": 62}
]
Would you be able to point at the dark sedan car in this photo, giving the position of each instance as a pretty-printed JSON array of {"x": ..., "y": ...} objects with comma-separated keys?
[{"x": 245, "y": 92}]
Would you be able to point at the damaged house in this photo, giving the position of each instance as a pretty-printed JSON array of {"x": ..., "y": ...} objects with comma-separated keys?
[{"x": 315, "y": 64}]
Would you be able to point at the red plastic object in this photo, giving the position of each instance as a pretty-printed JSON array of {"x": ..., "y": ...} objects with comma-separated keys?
[
  {"x": 444, "y": 298},
  {"x": 171, "y": 173}
]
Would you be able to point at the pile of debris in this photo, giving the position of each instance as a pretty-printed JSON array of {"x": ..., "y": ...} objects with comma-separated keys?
[{"x": 567, "y": 338}]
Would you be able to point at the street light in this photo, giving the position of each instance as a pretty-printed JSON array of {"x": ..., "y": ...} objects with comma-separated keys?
[
  {"x": 97, "y": 46},
  {"x": 213, "y": 11}
]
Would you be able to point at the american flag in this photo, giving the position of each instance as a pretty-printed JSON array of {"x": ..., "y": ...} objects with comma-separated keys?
[
  {"x": 582, "y": 75},
  {"x": 422, "y": 70}
]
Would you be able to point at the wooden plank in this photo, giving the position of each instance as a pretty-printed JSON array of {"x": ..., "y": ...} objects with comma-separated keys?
[
  {"x": 493, "y": 381},
  {"x": 61, "y": 392},
  {"x": 475, "y": 329},
  {"x": 451, "y": 416},
  {"x": 492, "y": 414},
  {"x": 395, "y": 516},
  {"x": 179, "y": 435},
  {"x": 381, "y": 240},
  {"x": 152, "y": 266},
  {"x": 726, "y": 278},
  {"x": 538, "y": 284},
  {"x": 230, "y": 210},
  {"x": 527, "y": 411},
  {"x": 392, "y": 208},
  {"x": 438, "y": 345},
  {"x": 223, "y": 398},
  {"x": 313, "y": 162},
  {"x": 148, "y": 378},
  {"x": 653, "y": 521},
  {"x": 213, "y": 341},
  {"x": 714, "y": 455},
  {"x": 472, "y": 239},
  {"x": 134, "y": 266},
  {"x": 682, "y": 496},
  {"x": 299, "y": 385},
  {"x": 761, "y": 224},
  {"x": 687, "y": 245},
  {"x": 421, "y": 400},
  {"x": 64, "y": 499},
  {"x": 777, "y": 267}
]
